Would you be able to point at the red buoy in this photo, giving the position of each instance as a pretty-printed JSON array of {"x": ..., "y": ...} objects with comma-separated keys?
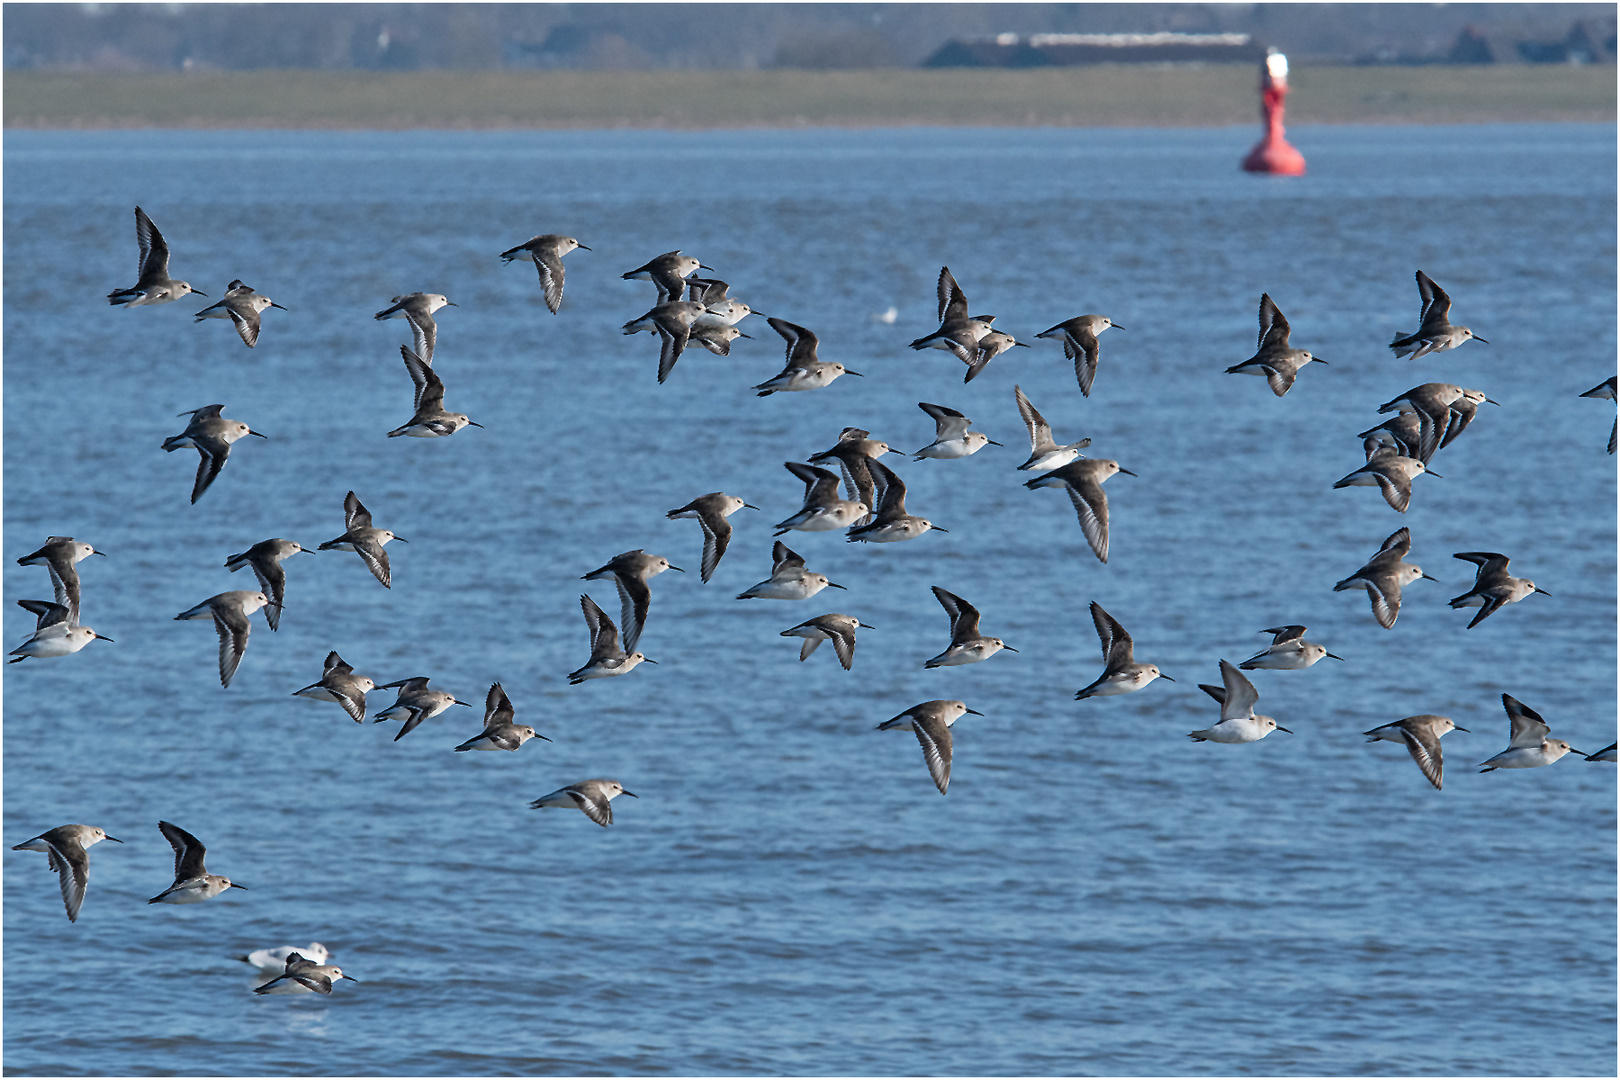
[{"x": 1273, "y": 154}]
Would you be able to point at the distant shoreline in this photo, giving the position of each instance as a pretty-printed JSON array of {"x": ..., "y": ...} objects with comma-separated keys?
[{"x": 1097, "y": 96}]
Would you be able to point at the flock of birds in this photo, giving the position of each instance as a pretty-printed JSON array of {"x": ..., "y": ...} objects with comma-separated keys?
[{"x": 865, "y": 499}]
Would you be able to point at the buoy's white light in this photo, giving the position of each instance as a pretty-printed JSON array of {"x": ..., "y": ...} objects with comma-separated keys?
[{"x": 1277, "y": 65}]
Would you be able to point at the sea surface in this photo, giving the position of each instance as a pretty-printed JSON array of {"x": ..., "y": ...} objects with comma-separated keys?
[{"x": 1097, "y": 894}]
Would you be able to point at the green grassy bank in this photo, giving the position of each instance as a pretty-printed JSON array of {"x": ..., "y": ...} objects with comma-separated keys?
[{"x": 1108, "y": 95}]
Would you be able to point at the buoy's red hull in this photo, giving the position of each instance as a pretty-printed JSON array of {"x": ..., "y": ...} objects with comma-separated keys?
[{"x": 1273, "y": 154}]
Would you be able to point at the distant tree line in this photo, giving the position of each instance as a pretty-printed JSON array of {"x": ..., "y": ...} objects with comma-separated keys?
[{"x": 155, "y": 37}]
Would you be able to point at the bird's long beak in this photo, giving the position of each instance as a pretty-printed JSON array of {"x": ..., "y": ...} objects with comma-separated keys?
[
  {"x": 1115, "y": 326},
  {"x": 648, "y": 660},
  {"x": 1020, "y": 345},
  {"x": 1543, "y": 592},
  {"x": 1482, "y": 341},
  {"x": 749, "y": 506},
  {"x": 677, "y": 568},
  {"x": 234, "y": 885},
  {"x": 1317, "y": 360},
  {"x": 458, "y": 701},
  {"x": 276, "y": 305},
  {"x": 252, "y": 432},
  {"x": 1427, "y": 577},
  {"x": 581, "y": 247},
  {"x": 750, "y": 337},
  {"x": 93, "y": 551},
  {"x": 402, "y": 540},
  {"x": 1165, "y": 677},
  {"x": 452, "y": 303},
  {"x": 975, "y": 712},
  {"x": 1128, "y": 472},
  {"x": 351, "y": 978},
  {"x": 103, "y": 638},
  {"x": 1430, "y": 472},
  {"x": 1454, "y": 727},
  {"x": 632, "y": 794},
  {"x": 540, "y": 736},
  {"x": 470, "y": 423},
  {"x": 835, "y": 585},
  {"x": 993, "y": 442},
  {"x": 936, "y": 528},
  {"x": 1283, "y": 729},
  {"x": 867, "y": 627},
  {"x": 1009, "y": 648},
  {"x": 115, "y": 839},
  {"x": 855, "y": 373},
  {"x": 1334, "y": 657}
]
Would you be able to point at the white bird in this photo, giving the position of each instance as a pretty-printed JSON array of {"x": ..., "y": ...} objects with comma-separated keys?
[
  {"x": 804, "y": 371},
  {"x": 55, "y": 633},
  {"x": 192, "y": 882},
  {"x": 230, "y": 611},
  {"x": 1528, "y": 744},
  {"x": 274, "y": 961},
  {"x": 823, "y": 510},
  {"x": 339, "y": 683},
  {"x": 952, "y": 439},
  {"x": 1421, "y": 734},
  {"x": 1239, "y": 722},
  {"x": 931, "y": 723},
  {"x": 418, "y": 308},
  {"x": 968, "y": 646},
  {"x": 67, "y": 847},
  {"x": 789, "y": 579},
  {"x": 1045, "y": 454},
  {"x": 593, "y": 798}
]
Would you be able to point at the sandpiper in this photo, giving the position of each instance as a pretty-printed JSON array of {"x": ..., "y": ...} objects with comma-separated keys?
[
  {"x": 1083, "y": 480},
  {"x": 823, "y": 510},
  {"x": 1388, "y": 471},
  {"x": 1443, "y": 411},
  {"x": 717, "y": 339},
  {"x": 303, "y": 975},
  {"x": 990, "y": 346},
  {"x": 931, "y": 723},
  {"x": 854, "y": 449},
  {"x": 430, "y": 419},
  {"x": 1121, "y": 673},
  {"x": 630, "y": 571},
  {"x": 1402, "y": 432},
  {"x": 211, "y": 436},
  {"x": 789, "y": 579},
  {"x": 1239, "y": 722},
  {"x": 546, "y": 252},
  {"x": 668, "y": 272},
  {"x": 339, "y": 683},
  {"x": 1275, "y": 360},
  {"x": 1421, "y": 734},
  {"x": 1288, "y": 651},
  {"x": 593, "y": 797},
  {"x": 265, "y": 559},
  {"x": 1605, "y": 391},
  {"x": 607, "y": 658},
  {"x": 890, "y": 523},
  {"x": 719, "y": 308},
  {"x": 192, "y": 882},
  {"x": 839, "y": 629},
  {"x": 1528, "y": 745},
  {"x": 1079, "y": 337},
  {"x": 1384, "y": 575},
  {"x": 365, "y": 541},
  {"x": 672, "y": 322},
  {"x": 1435, "y": 334},
  {"x": 55, "y": 632},
  {"x": 1493, "y": 585},
  {"x": 414, "y": 704},
  {"x": 952, "y": 439},
  {"x": 499, "y": 732},
  {"x": 958, "y": 332},
  {"x": 1044, "y": 453},
  {"x": 66, "y": 846},
  {"x": 230, "y": 611},
  {"x": 243, "y": 307},
  {"x": 711, "y": 511},
  {"x": 803, "y": 371},
  {"x": 60, "y": 555},
  {"x": 967, "y": 646},
  {"x": 418, "y": 309},
  {"x": 154, "y": 285}
]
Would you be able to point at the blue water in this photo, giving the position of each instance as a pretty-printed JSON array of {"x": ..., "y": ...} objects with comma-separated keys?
[{"x": 789, "y": 894}]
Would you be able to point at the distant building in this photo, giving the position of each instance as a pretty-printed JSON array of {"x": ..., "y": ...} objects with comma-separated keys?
[{"x": 1062, "y": 50}]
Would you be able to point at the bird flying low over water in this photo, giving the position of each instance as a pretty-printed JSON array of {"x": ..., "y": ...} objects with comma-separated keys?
[
  {"x": 67, "y": 847},
  {"x": 804, "y": 371},
  {"x": 1079, "y": 337},
  {"x": 417, "y": 308},
  {"x": 593, "y": 798},
  {"x": 339, "y": 683},
  {"x": 243, "y": 307},
  {"x": 265, "y": 558},
  {"x": 414, "y": 704},
  {"x": 833, "y": 627},
  {"x": 55, "y": 632},
  {"x": 958, "y": 333},
  {"x": 1384, "y": 575},
  {"x": 211, "y": 436},
  {"x": 968, "y": 646},
  {"x": 607, "y": 658},
  {"x": 890, "y": 523},
  {"x": 1239, "y": 722},
  {"x": 630, "y": 571},
  {"x": 1493, "y": 585},
  {"x": 952, "y": 439},
  {"x": 1421, "y": 734},
  {"x": 931, "y": 723},
  {"x": 1083, "y": 480},
  {"x": 304, "y": 976},
  {"x": 365, "y": 541},
  {"x": 711, "y": 511},
  {"x": 154, "y": 285},
  {"x": 1436, "y": 334},
  {"x": 1275, "y": 360},
  {"x": 1045, "y": 454},
  {"x": 430, "y": 420},
  {"x": 192, "y": 882},
  {"x": 1288, "y": 651},
  {"x": 668, "y": 272},
  {"x": 1121, "y": 673},
  {"x": 823, "y": 510},
  {"x": 789, "y": 579},
  {"x": 61, "y": 555},
  {"x": 546, "y": 252},
  {"x": 230, "y": 611},
  {"x": 1528, "y": 744},
  {"x": 499, "y": 732}
]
